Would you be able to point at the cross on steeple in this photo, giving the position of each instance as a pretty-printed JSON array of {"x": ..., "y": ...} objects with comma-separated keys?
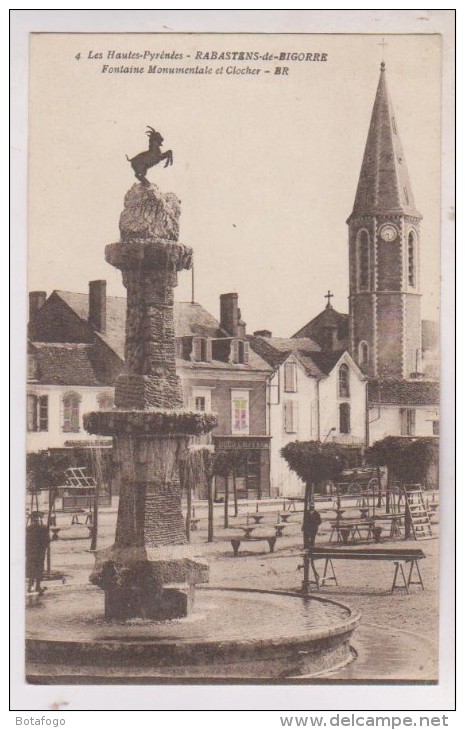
[
  {"x": 383, "y": 45},
  {"x": 329, "y": 296}
]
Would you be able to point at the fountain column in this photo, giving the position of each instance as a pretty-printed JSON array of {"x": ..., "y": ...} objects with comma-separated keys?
[{"x": 149, "y": 571}]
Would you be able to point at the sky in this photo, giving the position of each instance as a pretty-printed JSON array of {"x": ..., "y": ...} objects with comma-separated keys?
[{"x": 265, "y": 165}]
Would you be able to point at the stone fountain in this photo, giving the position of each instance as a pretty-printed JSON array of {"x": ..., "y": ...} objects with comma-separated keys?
[
  {"x": 149, "y": 630},
  {"x": 148, "y": 573}
]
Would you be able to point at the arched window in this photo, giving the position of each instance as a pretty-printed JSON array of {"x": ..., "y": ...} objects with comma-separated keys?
[
  {"x": 363, "y": 260},
  {"x": 344, "y": 418},
  {"x": 105, "y": 401},
  {"x": 363, "y": 354},
  {"x": 344, "y": 383},
  {"x": 411, "y": 259},
  {"x": 71, "y": 403}
]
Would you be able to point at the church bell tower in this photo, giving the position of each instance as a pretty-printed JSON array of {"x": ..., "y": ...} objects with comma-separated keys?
[{"x": 384, "y": 247}]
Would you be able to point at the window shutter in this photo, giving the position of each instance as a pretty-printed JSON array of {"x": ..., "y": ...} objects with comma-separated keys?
[
  {"x": 197, "y": 349},
  {"x": 209, "y": 350},
  {"x": 246, "y": 353},
  {"x": 290, "y": 417},
  {"x": 235, "y": 351},
  {"x": 43, "y": 413}
]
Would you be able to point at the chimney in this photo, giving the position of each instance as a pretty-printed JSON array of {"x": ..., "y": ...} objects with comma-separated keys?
[
  {"x": 98, "y": 305},
  {"x": 329, "y": 343},
  {"x": 241, "y": 326},
  {"x": 36, "y": 301},
  {"x": 229, "y": 318},
  {"x": 262, "y": 333}
]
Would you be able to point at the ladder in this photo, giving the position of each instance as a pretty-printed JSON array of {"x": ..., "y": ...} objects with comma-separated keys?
[{"x": 418, "y": 512}]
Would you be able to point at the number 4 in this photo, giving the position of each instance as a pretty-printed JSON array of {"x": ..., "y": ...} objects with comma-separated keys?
[{"x": 77, "y": 57}]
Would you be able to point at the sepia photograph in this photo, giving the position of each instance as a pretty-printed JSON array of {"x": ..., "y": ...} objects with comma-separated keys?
[{"x": 233, "y": 359}]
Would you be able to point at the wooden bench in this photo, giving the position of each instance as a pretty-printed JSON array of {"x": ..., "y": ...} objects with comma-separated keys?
[
  {"x": 255, "y": 516},
  {"x": 351, "y": 529},
  {"x": 400, "y": 557},
  {"x": 279, "y": 528},
  {"x": 236, "y": 542}
]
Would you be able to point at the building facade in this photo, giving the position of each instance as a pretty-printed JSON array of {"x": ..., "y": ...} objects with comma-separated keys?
[
  {"x": 314, "y": 395},
  {"x": 76, "y": 351}
]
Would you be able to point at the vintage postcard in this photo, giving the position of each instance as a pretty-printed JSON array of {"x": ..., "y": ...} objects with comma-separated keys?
[{"x": 233, "y": 413}]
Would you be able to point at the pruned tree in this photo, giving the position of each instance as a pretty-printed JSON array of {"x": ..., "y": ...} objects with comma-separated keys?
[{"x": 314, "y": 463}]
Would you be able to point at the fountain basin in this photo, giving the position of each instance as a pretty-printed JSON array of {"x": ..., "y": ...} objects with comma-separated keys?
[{"x": 232, "y": 634}]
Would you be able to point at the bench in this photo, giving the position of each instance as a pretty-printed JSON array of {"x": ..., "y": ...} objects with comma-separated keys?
[
  {"x": 236, "y": 542},
  {"x": 351, "y": 529},
  {"x": 400, "y": 557},
  {"x": 255, "y": 516},
  {"x": 284, "y": 516}
]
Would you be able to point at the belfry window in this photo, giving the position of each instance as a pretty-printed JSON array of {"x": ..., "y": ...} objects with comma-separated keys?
[
  {"x": 363, "y": 354},
  {"x": 411, "y": 259},
  {"x": 363, "y": 260}
]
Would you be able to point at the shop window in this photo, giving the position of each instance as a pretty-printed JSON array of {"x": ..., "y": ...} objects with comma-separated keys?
[
  {"x": 290, "y": 377},
  {"x": 407, "y": 422},
  {"x": 344, "y": 381},
  {"x": 37, "y": 412},
  {"x": 344, "y": 418},
  {"x": 71, "y": 402}
]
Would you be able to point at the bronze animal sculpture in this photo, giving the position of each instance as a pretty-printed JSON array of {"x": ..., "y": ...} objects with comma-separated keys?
[{"x": 151, "y": 157}]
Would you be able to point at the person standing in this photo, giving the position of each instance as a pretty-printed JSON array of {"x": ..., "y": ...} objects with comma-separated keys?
[
  {"x": 311, "y": 522},
  {"x": 37, "y": 541}
]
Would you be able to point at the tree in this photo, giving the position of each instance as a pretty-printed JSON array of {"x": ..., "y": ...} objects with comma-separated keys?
[
  {"x": 408, "y": 459},
  {"x": 314, "y": 462}
]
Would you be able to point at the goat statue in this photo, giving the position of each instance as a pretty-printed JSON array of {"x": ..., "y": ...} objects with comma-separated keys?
[{"x": 151, "y": 157}]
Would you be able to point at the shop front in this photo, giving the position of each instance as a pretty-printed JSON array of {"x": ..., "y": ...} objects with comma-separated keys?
[{"x": 252, "y": 470}]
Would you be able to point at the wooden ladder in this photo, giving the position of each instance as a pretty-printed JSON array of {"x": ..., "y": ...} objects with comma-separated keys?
[{"x": 418, "y": 513}]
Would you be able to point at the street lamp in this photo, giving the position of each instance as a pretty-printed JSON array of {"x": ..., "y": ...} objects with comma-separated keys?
[{"x": 330, "y": 431}]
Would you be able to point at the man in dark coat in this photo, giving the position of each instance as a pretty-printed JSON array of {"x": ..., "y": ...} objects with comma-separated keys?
[
  {"x": 312, "y": 520},
  {"x": 37, "y": 541}
]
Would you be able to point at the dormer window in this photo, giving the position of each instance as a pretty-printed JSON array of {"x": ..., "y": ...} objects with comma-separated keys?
[
  {"x": 239, "y": 352},
  {"x": 31, "y": 367},
  {"x": 201, "y": 349}
]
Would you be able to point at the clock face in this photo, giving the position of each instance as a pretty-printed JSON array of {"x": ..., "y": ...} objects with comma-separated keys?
[{"x": 388, "y": 233}]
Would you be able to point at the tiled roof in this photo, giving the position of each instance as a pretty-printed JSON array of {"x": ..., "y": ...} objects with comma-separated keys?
[
  {"x": 190, "y": 319},
  {"x": 403, "y": 392},
  {"x": 275, "y": 350},
  {"x": 328, "y": 317},
  {"x": 64, "y": 364}
]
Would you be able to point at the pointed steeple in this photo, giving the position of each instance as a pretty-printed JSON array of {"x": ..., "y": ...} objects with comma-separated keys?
[{"x": 384, "y": 186}]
